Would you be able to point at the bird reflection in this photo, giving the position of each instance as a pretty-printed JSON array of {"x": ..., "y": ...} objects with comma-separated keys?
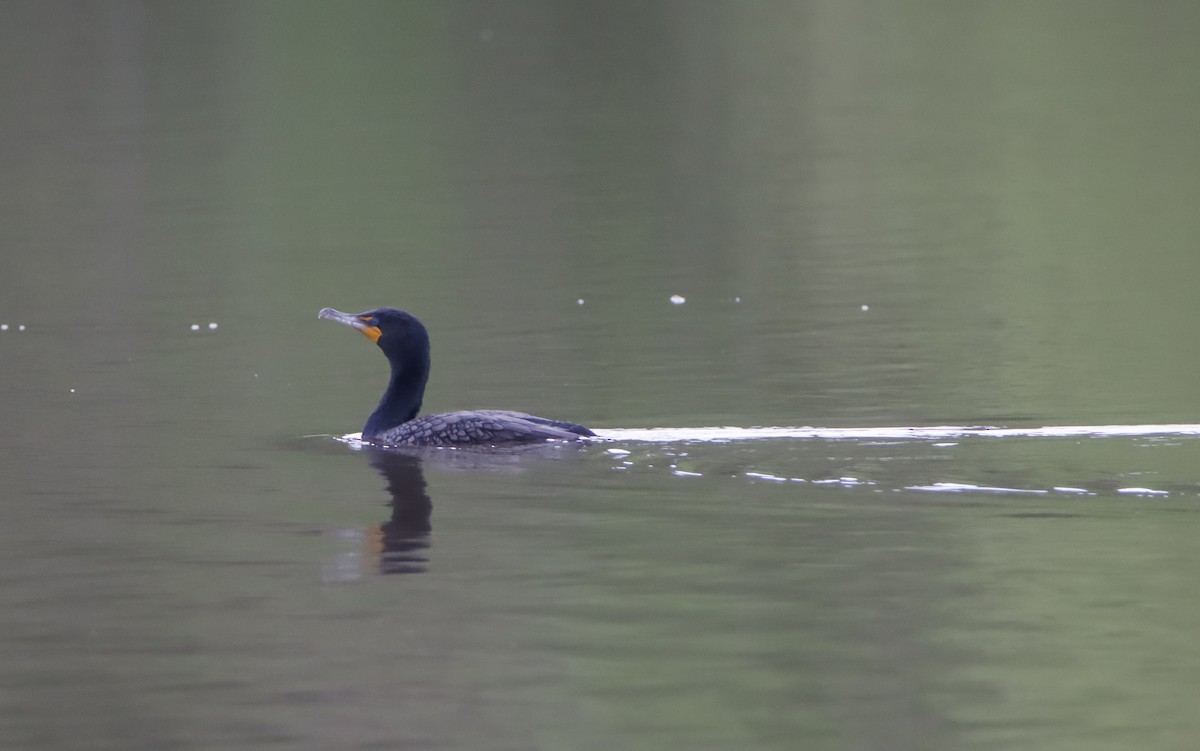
[{"x": 399, "y": 545}]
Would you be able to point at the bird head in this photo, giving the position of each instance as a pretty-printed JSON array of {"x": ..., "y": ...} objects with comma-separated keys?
[{"x": 391, "y": 329}]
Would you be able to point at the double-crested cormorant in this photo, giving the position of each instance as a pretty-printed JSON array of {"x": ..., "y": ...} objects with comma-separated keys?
[{"x": 395, "y": 423}]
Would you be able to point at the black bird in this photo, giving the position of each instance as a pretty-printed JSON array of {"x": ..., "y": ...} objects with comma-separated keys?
[{"x": 394, "y": 422}]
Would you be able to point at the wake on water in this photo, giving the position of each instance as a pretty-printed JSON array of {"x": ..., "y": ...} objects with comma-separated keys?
[
  {"x": 931, "y": 433},
  {"x": 940, "y": 432},
  {"x": 937, "y": 432}
]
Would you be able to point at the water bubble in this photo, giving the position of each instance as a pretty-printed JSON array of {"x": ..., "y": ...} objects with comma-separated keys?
[
  {"x": 678, "y": 299},
  {"x": 579, "y": 301},
  {"x": 212, "y": 326},
  {"x": 865, "y": 308},
  {"x": 195, "y": 327},
  {"x": 21, "y": 327}
]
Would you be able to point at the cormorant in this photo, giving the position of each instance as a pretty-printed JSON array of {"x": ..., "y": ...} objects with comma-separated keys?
[{"x": 394, "y": 422}]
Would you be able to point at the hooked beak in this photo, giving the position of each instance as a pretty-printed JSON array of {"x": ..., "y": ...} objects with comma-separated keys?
[{"x": 353, "y": 321}]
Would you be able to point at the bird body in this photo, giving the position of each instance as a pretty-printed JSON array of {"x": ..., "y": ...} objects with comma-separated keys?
[
  {"x": 394, "y": 422},
  {"x": 477, "y": 427}
]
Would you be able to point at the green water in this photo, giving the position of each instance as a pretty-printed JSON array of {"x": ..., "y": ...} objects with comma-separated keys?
[{"x": 877, "y": 214}]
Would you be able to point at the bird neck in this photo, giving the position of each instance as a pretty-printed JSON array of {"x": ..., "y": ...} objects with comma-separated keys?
[{"x": 402, "y": 400}]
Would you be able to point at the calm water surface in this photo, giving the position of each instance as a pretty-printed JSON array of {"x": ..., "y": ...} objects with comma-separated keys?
[{"x": 876, "y": 215}]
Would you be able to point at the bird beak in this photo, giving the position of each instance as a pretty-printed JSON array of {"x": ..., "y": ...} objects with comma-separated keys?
[{"x": 353, "y": 321}]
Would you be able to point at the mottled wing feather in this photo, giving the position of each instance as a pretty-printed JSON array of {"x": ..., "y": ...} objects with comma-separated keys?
[
  {"x": 478, "y": 427},
  {"x": 570, "y": 427}
]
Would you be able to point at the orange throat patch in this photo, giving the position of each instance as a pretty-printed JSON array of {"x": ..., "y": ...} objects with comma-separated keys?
[{"x": 372, "y": 332}]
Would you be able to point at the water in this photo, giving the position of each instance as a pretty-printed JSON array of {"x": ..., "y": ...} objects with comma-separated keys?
[{"x": 883, "y": 312}]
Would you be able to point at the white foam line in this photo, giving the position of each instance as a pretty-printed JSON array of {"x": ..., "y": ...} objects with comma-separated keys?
[
  {"x": 939, "y": 432},
  {"x": 766, "y": 476},
  {"x": 961, "y": 487}
]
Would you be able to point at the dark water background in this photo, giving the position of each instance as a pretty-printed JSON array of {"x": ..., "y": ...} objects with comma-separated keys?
[{"x": 878, "y": 214}]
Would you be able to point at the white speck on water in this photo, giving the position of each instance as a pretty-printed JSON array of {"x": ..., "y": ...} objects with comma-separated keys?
[
  {"x": 1068, "y": 489},
  {"x": 682, "y": 473},
  {"x": 212, "y": 326},
  {"x": 678, "y": 299},
  {"x": 579, "y": 301},
  {"x": 3, "y": 327},
  {"x": 72, "y": 391},
  {"x": 865, "y": 308},
  {"x": 737, "y": 299},
  {"x": 618, "y": 452},
  {"x": 21, "y": 327},
  {"x": 195, "y": 327}
]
